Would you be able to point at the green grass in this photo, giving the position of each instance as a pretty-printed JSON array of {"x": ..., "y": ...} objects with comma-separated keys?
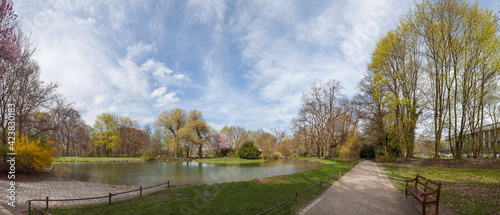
[
  {"x": 104, "y": 159},
  {"x": 244, "y": 197},
  {"x": 463, "y": 190},
  {"x": 229, "y": 160}
]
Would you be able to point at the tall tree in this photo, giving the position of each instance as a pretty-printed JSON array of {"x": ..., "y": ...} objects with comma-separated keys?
[
  {"x": 172, "y": 121},
  {"x": 396, "y": 63},
  {"x": 106, "y": 133}
]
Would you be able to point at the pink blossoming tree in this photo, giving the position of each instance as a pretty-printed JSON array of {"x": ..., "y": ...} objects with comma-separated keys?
[
  {"x": 9, "y": 48},
  {"x": 221, "y": 145}
]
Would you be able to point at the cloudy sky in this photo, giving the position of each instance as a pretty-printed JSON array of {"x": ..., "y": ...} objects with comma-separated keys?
[{"x": 238, "y": 62}]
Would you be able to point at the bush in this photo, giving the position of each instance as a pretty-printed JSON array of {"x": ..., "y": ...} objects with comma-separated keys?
[
  {"x": 147, "y": 157},
  {"x": 248, "y": 151},
  {"x": 236, "y": 154},
  {"x": 32, "y": 155},
  {"x": 350, "y": 149},
  {"x": 384, "y": 157},
  {"x": 277, "y": 155}
]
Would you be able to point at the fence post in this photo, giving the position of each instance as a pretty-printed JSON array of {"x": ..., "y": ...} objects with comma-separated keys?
[
  {"x": 140, "y": 190},
  {"x": 46, "y": 202},
  {"x": 29, "y": 207},
  {"x": 168, "y": 184},
  {"x": 110, "y": 198},
  {"x": 296, "y": 197}
]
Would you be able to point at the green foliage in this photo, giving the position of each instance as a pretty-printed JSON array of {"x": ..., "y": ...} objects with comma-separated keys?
[
  {"x": 248, "y": 151},
  {"x": 382, "y": 156},
  {"x": 236, "y": 154},
  {"x": 105, "y": 133},
  {"x": 147, "y": 157},
  {"x": 32, "y": 155}
]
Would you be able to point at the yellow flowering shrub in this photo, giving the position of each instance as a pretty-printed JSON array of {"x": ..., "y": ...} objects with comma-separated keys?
[
  {"x": 277, "y": 155},
  {"x": 32, "y": 155}
]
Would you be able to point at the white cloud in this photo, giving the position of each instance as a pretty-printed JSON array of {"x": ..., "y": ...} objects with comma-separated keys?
[
  {"x": 166, "y": 99},
  {"x": 163, "y": 98},
  {"x": 158, "y": 92},
  {"x": 179, "y": 76},
  {"x": 99, "y": 99}
]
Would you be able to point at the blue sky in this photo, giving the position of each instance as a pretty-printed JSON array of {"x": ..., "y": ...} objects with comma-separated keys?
[{"x": 238, "y": 62}]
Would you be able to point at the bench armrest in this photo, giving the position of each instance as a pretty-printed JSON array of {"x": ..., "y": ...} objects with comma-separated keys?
[
  {"x": 431, "y": 193},
  {"x": 408, "y": 181}
]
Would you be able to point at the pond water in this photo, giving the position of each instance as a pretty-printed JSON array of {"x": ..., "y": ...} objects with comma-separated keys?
[{"x": 178, "y": 173}]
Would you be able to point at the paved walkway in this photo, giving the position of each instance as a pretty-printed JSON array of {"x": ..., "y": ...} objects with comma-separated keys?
[
  {"x": 64, "y": 190},
  {"x": 365, "y": 189}
]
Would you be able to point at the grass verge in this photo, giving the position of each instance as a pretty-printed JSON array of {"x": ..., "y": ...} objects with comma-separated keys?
[
  {"x": 463, "y": 190},
  {"x": 87, "y": 159},
  {"x": 244, "y": 197},
  {"x": 229, "y": 160}
]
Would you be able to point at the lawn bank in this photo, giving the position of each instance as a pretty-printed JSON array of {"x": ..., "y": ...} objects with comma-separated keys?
[
  {"x": 464, "y": 190},
  {"x": 228, "y": 160},
  {"x": 244, "y": 197},
  {"x": 97, "y": 159}
]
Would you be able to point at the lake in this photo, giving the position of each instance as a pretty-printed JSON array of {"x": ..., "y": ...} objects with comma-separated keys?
[{"x": 178, "y": 173}]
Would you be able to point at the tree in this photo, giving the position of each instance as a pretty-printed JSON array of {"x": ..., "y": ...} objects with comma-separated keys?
[
  {"x": 106, "y": 134},
  {"x": 22, "y": 87},
  {"x": 200, "y": 130},
  {"x": 9, "y": 48},
  {"x": 462, "y": 49},
  {"x": 171, "y": 122},
  {"x": 67, "y": 135},
  {"x": 325, "y": 118},
  {"x": 396, "y": 64},
  {"x": 221, "y": 146},
  {"x": 248, "y": 151}
]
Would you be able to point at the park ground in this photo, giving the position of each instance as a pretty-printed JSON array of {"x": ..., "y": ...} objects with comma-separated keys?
[{"x": 470, "y": 186}]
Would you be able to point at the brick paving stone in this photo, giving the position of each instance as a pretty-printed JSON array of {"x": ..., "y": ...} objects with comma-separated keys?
[{"x": 66, "y": 190}]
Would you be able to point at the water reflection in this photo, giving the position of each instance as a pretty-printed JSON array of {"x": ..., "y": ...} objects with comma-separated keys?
[{"x": 150, "y": 173}]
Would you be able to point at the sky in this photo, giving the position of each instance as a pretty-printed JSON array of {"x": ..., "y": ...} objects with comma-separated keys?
[{"x": 242, "y": 62}]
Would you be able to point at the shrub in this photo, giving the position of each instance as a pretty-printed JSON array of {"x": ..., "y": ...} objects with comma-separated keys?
[
  {"x": 32, "y": 155},
  {"x": 277, "y": 155},
  {"x": 382, "y": 156},
  {"x": 236, "y": 154},
  {"x": 147, "y": 157},
  {"x": 248, "y": 151},
  {"x": 350, "y": 149}
]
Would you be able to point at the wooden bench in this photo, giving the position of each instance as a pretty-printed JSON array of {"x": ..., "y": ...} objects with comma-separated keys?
[{"x": 425, "y": 191}]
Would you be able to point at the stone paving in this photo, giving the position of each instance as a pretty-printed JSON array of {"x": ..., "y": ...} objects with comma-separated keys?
[{"x": 65, "y": 190}]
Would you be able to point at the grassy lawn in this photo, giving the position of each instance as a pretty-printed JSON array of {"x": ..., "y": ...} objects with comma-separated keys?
[
  {"x": 228, "y": 160},
  {"x": 463, "y": 190},
  {"x": 244, "y": 197},
  {"x": 82, "y": 159}
]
